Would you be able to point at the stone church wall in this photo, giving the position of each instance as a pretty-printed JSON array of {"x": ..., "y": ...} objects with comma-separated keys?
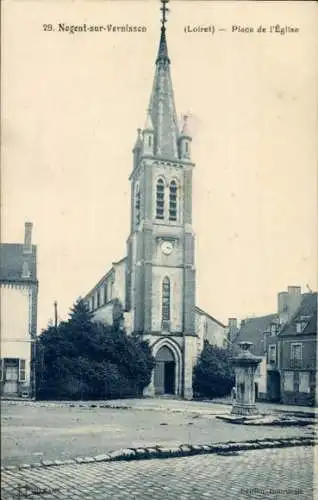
[
  {"x": 209, "y": 329},
  {"x": 120, "y": 280},
  {"x": 104, "y": 314}
]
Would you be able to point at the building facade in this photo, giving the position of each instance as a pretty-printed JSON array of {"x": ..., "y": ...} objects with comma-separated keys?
[
  {"x": 155, "y": 285},
  {"x": 292, "y": 351},
  {"x": 287, "y": 343},
  {"x": 255, "y": 330},
  {"x": 19, "y": 296}
]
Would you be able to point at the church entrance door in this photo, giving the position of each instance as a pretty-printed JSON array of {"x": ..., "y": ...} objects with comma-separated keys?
[{"x": 165, "y": 371}]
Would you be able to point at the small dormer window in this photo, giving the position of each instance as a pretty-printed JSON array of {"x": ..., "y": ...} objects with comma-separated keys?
[
  {"x": 273, "y": 329},
  {"x": 300, "y": 326},
  {"x": 25, "y": 270}
]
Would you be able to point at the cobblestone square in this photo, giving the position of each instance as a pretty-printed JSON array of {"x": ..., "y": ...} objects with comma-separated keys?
[
  {"x": 271, "y": 474},
  {"x": 33, "y": 433}
]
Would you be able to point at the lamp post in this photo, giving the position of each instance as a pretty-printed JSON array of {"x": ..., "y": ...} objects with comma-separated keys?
[{"x": 55, "y": 314}]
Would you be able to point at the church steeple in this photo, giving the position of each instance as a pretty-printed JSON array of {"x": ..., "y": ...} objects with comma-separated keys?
[
  {"x": 161, "y": 105},
  {"x": 160, "y": 272},
  {"x": 163, "y": 48}
]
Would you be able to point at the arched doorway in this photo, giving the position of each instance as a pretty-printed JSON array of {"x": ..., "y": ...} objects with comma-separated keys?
[{"x": 165, "y": 371}]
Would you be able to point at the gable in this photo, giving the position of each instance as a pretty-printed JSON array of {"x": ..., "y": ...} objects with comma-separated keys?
[
  {"x": 306, "y": 315},
  {"x": 253, "y": 330},
  {"x": 13, "y": 261}
]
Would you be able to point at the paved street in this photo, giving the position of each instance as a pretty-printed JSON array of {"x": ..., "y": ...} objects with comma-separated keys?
[
  {"x": 34, "y": 433},
  {"x": 271, "y": 474}
]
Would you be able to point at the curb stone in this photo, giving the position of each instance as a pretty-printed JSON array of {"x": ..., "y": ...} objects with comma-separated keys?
[
  {"x": 87, "y": 460},
  {"x": 11, "y": 468},
  {"x": 102, "y": 458},
  {"x": 175, "y": 451},
  {"x": 46, "y": 463}
]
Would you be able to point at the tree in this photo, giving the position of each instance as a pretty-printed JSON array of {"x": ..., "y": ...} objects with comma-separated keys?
[
  {"x": 82, "y": 359},
  {"x": 213, "y": 373}
]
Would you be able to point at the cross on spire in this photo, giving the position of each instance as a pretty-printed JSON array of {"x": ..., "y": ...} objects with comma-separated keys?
[{"x": 164, "y": 11}]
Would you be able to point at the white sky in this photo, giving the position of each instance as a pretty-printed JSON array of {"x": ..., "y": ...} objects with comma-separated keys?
[{"x": 71, "y": 105}]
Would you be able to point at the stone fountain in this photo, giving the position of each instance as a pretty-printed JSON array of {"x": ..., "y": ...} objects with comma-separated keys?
[
  {"x": 244, "y": 409},
  {"x": 245, "y": 365}
]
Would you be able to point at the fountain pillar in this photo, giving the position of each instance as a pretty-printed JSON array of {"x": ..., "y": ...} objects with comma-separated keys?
[{"x": 245, "y": 365}]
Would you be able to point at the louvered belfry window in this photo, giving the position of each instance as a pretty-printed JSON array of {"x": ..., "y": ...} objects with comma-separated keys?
[
  {"x": 160, "y": 199},
  {"x": 173, "y": 201},
  {"x": 166, "y": 299},
  {"x": 137, "y": 205}
]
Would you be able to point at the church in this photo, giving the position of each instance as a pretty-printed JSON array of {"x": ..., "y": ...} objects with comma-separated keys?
[{"x": 154, "y": 286}]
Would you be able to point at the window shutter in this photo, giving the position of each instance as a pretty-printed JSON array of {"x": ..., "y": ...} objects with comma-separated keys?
[{"x": 22, "y": 373}]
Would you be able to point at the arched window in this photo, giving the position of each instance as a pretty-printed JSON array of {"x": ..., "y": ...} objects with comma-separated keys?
[
  {"x": 160, "y": 199},
  {"x": 137, "y": 204},
  {"x": 166, "y": 299},
  {"x": 173, "y": 201}
]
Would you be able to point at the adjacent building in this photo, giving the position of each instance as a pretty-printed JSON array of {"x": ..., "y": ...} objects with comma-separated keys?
[
  {"x": 255, "y": 330},
  {"x": 292, "y": 352},
  {"x": 153, "y": 288},
  {"x": 287, "y": 342},
  {"x": 19, "y": 296}
]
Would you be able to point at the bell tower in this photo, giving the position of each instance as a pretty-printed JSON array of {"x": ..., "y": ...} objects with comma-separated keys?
[{"x": 161, "y": 265}]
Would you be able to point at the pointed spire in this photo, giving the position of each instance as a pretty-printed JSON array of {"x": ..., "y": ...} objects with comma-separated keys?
[
  {"x": 149, "y": 125},
  {"x": 163, "y": 48},
  {"x": 162, "y": 106},
  {"x": 185, "y": 127},
  {"x": 138, "y": 142}
]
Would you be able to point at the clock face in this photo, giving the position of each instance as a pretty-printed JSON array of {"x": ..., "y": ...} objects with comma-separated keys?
[{"x": 166, "y": 247}]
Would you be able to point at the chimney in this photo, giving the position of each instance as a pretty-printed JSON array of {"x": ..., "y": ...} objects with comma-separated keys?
[
  {"x": 232, "y": 322},
  {"x": 27, "y": 248},
  {"x": 232, "y": 329},
  {"x": 288, "y": 303},
  {"x": 294, "y": 290}
]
